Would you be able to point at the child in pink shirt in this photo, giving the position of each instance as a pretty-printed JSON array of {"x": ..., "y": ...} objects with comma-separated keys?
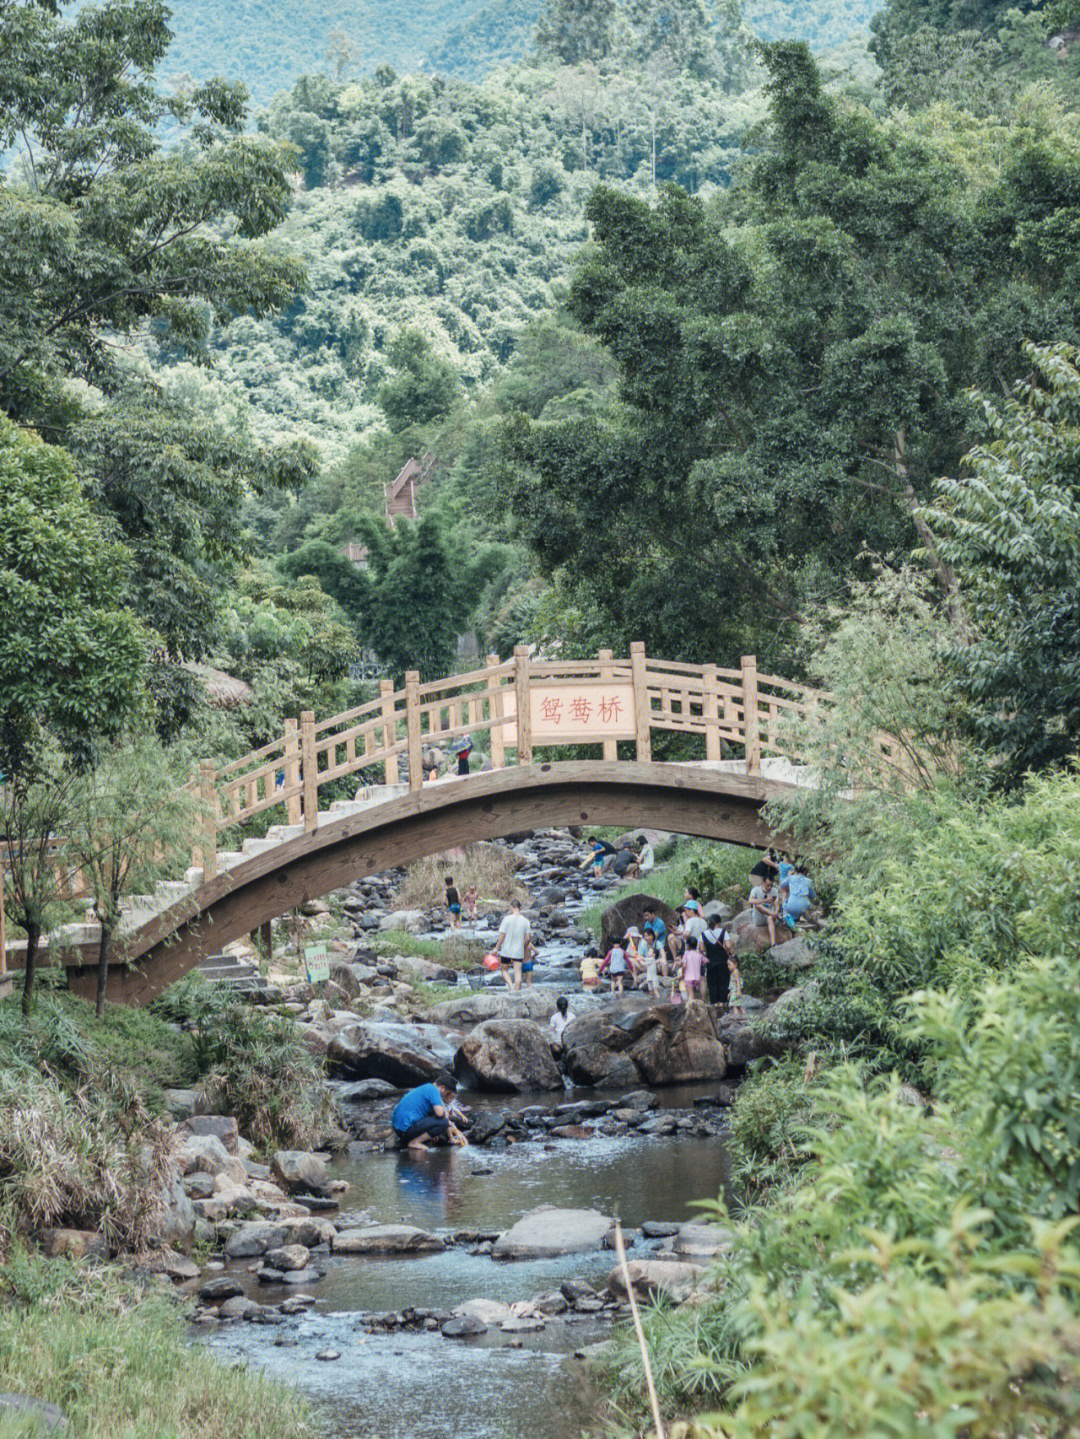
[{"x": 693, "y": 960}]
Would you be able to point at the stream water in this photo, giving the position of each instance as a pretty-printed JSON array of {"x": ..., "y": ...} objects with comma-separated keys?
[
  {"x": 422, "y": 1386},
  {"x": 419, "y": 1385}
]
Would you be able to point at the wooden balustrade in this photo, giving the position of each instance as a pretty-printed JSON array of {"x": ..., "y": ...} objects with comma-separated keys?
[{"x": 519, "y": 704}]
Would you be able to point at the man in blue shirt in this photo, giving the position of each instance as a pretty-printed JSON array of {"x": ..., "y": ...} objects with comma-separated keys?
[
  {"x": 424, "y": 1114},
  {"x": 659, "y": 933}
]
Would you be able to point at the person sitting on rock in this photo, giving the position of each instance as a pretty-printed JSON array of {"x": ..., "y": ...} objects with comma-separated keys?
[
  {"x": 659, "y": 933},
  {"x": 625, "y": 861},
  {"x": 590, "y": 968},
  {"x": 763, "y": 901},
  {"x": 422, "y": 1117},
  {"x": 800, "y": 893},
  {"x": 646, "y": 856},
  {"x": 561, "y": 1019}
]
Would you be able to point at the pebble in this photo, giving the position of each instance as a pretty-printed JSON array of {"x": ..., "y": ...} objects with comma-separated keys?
[{"x": 327, "y": 1355}]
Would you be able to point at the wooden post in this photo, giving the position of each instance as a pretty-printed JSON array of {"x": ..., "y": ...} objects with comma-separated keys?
[
  {"x": 412, "y": 729},
  {"x": 498, "y": 753},
  {"x": 309, "y": 762},
  {"x": 710, "y": 711},
  {"x": 611, "y": 747},
  {"x": 642, "y": 715},
  {"x": 751, "y": 727},
  {"x": 524, "y": 706},
  {"x": 208, "y": 799},
  {"x": 386, "y": 691},
  {"x": 267, "y": 933},
  {"x": 293, "y": 806}
]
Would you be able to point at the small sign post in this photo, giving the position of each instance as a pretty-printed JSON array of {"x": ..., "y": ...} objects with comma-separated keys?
[{"x": 317, "y": 963}]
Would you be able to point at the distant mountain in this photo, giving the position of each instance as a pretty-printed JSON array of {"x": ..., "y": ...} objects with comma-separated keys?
[{"x": 269, "y": 45}]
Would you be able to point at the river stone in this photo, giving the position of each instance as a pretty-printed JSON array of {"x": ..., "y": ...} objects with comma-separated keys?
[
  {"x": 464, "y": 1326},
  {"x": 547, "y": 1233},
  {"x": 205, "y": 1154},
  {"x": 652, "y": 1278},
  {"x": 177, "y": 1266},
  {"x": 793, "y": 954},
  {"x": 488, "y": 1311},
  {"x": 801, "y": 994},
  {"x": 638, "y": 1099},
  {"x": 296, "y": 1170},
  {"x": 658, "y": 1229},
  {"x": 629, "y": 913},
  {"x": 412, "y": 920},
  {"x": 222, "y": 1126},
  {"x": 239, "y": 1307},
  {"x": 180, "y": 1102},
  {"x": 35, "y": 1412},
  {"x": 507, "y": 1055},
  {"x": 702, "y": 1241},
  {"x": 522, "y": 1326},
  {"x": 402, "y": 1054},
  {"x": 474, "y": 1008},
  {"x": 385, "y": 1239},
  {"x": 216, "y": 1290},
  {"x": 249, "y": 1240},
  {"x": 365, "y": 1091},
  {"x": 570, "y": 1131},
  {"x": 73, "y": 1243},
  {"x": 288, "y": 1256},
  {"x": 176, "y": 1218},
  {"x": 574, "y": 1289}
]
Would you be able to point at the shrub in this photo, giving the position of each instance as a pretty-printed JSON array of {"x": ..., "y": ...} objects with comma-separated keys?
[{"x": 490, "y": 867}]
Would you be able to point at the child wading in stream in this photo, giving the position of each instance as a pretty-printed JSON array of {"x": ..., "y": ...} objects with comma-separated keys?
[
  {"x": 453, "y": 903},
  {"x": 472, "y": 895},
  {"x": 616, "y": 966}
]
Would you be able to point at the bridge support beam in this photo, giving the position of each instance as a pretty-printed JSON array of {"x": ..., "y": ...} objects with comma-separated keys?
[{"x": 486, "y": 806}]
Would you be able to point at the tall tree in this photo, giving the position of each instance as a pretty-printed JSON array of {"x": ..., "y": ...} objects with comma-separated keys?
[
  {"x": 573, "y": 31},
  {"x": 679, "y": 31},
  {"x": 101, "y": 228},
  {"x": 796, "y": 363}
]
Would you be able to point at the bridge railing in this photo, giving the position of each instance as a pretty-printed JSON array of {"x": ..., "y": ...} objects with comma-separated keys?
[{"x": 518, "y": 704}]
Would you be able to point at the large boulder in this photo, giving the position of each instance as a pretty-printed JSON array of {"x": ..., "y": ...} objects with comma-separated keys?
[
  {"x": 507, "y": 1056},
  {"x": 547, "y": 1233},
  {"x": 414, "y": 966},
  {"x": 221, "y": 1126},
  {"x": 478, "y": 1005},
  {"x": 793, "y": 954},
  {"x": 402, "y": 1054},
  {"x": 631, "y": 1042},
  {"x": 412, "y": 920},
  {"x": 628, "y": 913},
  {"x": 175, "y": 1222},
  {"x": 656, "y": 1278},
  {"x": 300, "y": 1173},
  {"x": 683, "y": 1046},
  {"x": 703, "y": 1241},
  {"x": 750, "y": 937}
]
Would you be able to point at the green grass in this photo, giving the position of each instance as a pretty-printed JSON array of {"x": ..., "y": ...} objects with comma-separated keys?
[
  {"x": 117, "y": 1361},
  {"x": 719, "y": 871},
  {"x": 456, "y": 951}
]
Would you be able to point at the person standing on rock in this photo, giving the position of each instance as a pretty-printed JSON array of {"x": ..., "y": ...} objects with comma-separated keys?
[
  {"x": 652, "y": 979},
  {"x": 422, "y": 1117},
  {"x": 717, "y": 944},
  {"x": 514, "y": 942},
  {"x": 616, "y": 966},
  {"x": 453, "y": 902}
]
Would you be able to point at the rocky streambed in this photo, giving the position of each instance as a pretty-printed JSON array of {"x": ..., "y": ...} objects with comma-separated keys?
[{"x": 458, "y": 1292}]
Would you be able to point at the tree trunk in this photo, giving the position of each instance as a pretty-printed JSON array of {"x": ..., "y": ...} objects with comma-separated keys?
[
  {"x": 33, "y": 934},
  {"x": 103, "y": 968}
]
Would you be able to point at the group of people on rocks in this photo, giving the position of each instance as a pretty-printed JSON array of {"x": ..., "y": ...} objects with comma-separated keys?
[
  {"x": 624, "y": 860},
  {"x": 782, "y": 894},
  {"x": 694, "y": 962}
]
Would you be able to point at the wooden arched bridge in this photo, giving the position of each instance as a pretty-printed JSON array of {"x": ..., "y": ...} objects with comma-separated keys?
[{"x": 521, "y": 707}]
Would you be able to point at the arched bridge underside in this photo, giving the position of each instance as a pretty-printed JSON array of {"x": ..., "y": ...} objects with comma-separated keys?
[{"x": 685, "y": 799}]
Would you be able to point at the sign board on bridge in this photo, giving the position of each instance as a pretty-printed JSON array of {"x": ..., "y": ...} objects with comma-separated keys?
[
  {"x": 317, "y": 962},
  {"x": 575, "y": 712}
]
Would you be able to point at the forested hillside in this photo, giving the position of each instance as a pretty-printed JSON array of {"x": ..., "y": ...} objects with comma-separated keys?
[{"x": 270, "y": 46}]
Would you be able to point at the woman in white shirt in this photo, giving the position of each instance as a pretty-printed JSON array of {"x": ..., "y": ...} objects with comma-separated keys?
[{"x": 561, "y": 1019}]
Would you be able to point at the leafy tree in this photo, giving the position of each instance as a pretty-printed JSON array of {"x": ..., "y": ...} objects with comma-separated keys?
[
  {"x": 425, "y": 386},
  {"x": 104, "y": 230},
  {"x": 678, "y": 30},
  {"x": 71, "y": 656},
  {"x": 573, "y": 31},
  {"x": 174, "y": 483},
  {"x": 1010, "y": 526},
  {"x": 129, "y": 814},
  {"x": 795, "y": 365}
]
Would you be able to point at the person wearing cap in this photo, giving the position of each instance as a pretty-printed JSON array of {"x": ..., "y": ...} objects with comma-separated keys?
[
  {"x": 634, "y": 950},
  {"x": 656, "y": 926},
  {"x": 689, "y": 932}
]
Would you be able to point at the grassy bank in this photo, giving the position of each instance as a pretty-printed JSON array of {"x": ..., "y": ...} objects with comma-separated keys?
[
  {"x": 116, "y": 1360},
  {"x": 492, "y": 868},
  {"x": 717, "y": 871}
]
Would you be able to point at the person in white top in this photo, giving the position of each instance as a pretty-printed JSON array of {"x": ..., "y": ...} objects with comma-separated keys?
[
  {"x": 560, "y": 1019},
  {"x": 646, "y": 858},
  {"x": 513, "y": 943}
]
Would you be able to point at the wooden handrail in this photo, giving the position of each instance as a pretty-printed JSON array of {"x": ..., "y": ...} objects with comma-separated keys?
[{"x": 514, "y": 702}]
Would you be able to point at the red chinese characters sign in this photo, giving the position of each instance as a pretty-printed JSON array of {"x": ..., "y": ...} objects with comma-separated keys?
[{"x": 576, "y": 713}]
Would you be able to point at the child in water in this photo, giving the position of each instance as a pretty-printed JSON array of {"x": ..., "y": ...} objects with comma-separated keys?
[
  {"x": 590, "y": 969},
  {"x": 472, "y": 895},
  {"x": 616, "y": 966},
  {"x": 692, "y": 962}
]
